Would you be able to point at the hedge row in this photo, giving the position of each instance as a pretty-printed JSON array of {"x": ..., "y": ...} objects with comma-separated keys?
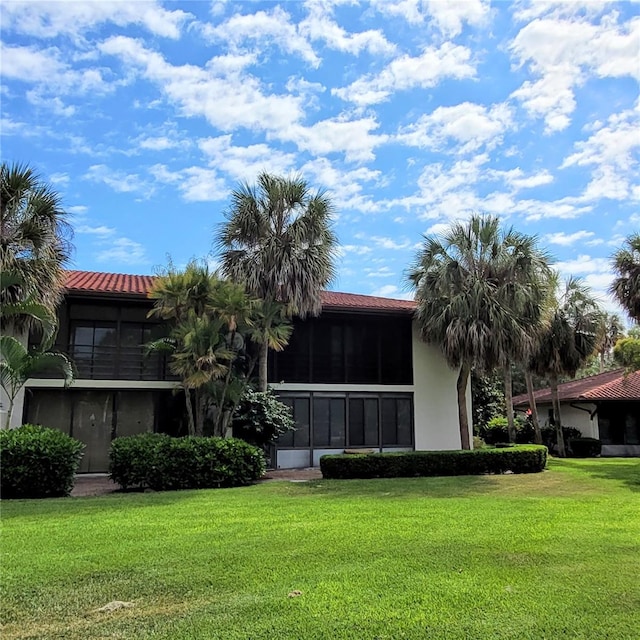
[
  {"x": 161, "y": 462},
  {"x": 37, "y": 462},
  {"x": 518, "y": 459}
]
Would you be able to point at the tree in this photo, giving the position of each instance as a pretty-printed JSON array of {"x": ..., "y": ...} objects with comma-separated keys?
[
  {"x": 278, "y": 241},
  {"x": 474, "y": 299},
  {"x": 610, "y": 330},
  {"x": 626, "y": 286},
  {"x": 627, "y": 353},
  {"x": 569, "y": 339},
  {"x": 34, "y": 241}
]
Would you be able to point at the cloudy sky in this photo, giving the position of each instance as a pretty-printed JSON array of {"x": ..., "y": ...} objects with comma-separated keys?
[{"x": 411, "y": 113}]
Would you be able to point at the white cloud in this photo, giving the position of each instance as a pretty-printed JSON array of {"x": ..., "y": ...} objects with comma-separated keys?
[
  {"x": 391, "y": 291},
  {"x": 123, "y": 250},
  {"x": 354, "y": 138},
  {"x": 517, "y": 179},
  {"x": 448, "y": 17},
  {"x": 567, "y": 239},
  {"x": 390, "y": 243},
  {"x": 320, "y": 25},
  {"x": 77, "y": 209},
  {"x": 158, "y": 143},
  {"x": 198, "y": 91},
  {"x": 467, "y": 126},
  {"x": 196, "y": 184},
  {"x": 564, "y": 53},
  {"x": 45, "y": 19},
  {"x": 101, "y": 230},
  {"x": 245, "y": 163},
  {"x": 406, "y": 72},
  {"x": 584, "y": 263},
  {"x": 119, "y": 181},
  {"x": 61, "y": 179},
  {"x": 263, "y": 28}
]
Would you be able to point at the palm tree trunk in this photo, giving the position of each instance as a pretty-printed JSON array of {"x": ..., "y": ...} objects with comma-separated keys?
[
  {"x": 508, "y": 400},
  {"x": 7, "y": 423},
  {"x": 463, "y": 416},
  {"x": 199, "y": 430},
  {"x": 602, "y": 356},
  {"x": 534, "y": 409},
  {"x": 262, "y": 366},
  {"x": 191, "y": 425},
  {"x": 556, "y": 415}
]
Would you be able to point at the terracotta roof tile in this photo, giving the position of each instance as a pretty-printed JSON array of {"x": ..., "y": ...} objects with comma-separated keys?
[
  {"x": 119, "y": 283},
  {"x": 611, "y": 385}
]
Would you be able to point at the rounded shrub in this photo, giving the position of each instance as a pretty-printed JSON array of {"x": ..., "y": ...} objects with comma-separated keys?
[
  {"x": 37, "y": 462},
  {"x": 159, "y": 462}
]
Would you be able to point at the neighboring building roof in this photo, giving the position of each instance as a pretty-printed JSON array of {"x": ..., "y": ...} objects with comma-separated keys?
[
  {"x": 611, "y": 385},
  {"x": 93, "y": 282}
]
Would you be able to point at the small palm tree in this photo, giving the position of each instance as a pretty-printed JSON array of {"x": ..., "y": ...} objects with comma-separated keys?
[
  {"x": 34, "y": 239},
  {"x": 626, "y": 286},
  {"x": 610, "y": 330},
  {"x": 475, "y": 298},
  {"x": 18, "y": 364},
  {"x": 567, "y": 342},
  {"x": 278, "y": 242}
]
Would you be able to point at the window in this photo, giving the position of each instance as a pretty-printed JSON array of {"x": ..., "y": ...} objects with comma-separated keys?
[
  {"x": 301, "y": 414},
  {"x": 397, "y": 428},
  {"x": 93, "y": 349},
  {"x": 363, "y": 422},
  {"x": 328, "y": 422}
]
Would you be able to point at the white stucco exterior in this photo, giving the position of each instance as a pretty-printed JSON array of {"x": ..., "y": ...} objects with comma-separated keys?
[
  {"x": 572, "y": 416},
  {"x": 16, "y": 416}
]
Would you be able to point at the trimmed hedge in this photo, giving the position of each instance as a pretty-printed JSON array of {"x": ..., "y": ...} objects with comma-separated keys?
[
  {"x": 585, "y": 447},
  {"x": 518, "y": 459},
  {"x": 37, "y": 462},
  {"x": 159, "y": 462}
]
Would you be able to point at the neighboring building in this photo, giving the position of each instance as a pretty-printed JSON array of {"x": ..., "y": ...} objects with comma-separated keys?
[
  {"x": 604, "y": 406},
  {"x": 358, "y": 376}
]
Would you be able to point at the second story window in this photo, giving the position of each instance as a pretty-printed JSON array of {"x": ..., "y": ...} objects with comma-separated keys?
[{"x": 93, "y": 349}]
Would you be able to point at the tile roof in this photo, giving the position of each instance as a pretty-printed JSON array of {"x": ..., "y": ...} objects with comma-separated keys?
[
  {"x": 611, "y": 385},
  {"x": 92, "y": 282}
]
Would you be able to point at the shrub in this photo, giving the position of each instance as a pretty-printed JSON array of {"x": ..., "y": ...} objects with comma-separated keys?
[
  {"x": 550, "y": 438},
  {"x": 518, "y": 459},
  {"x": 261, "y": 418},
  {"x": 37, "y": 462},
  {"x": 160, "y": 462},
  {"x": 585, "y": 447}
]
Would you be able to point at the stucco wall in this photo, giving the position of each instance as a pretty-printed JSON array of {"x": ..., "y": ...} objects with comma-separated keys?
[
  {"x": 16, "y": 416},
  {"x": 435, "y": 399},
  {"x": 573, "y": 417}
]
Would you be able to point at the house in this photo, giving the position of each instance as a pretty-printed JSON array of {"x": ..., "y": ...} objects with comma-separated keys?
[
  {"x": 604, "y": 406},
  {"x": 358, "y": 376}
]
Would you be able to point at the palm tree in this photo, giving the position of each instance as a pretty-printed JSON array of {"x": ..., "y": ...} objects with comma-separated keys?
[
  {"x": 568, "y": 340},
  {"x": 34, "y": 239},
  {"x": 18, "y": 364},
  {"x": 476, "y": 297},
  {"x": 626, "y": 286},
  {"x": 278, "y": 242},
  {"x": 610, "y": 330}
]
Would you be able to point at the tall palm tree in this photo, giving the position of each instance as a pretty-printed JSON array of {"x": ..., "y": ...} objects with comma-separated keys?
[
  {"x": 610, "y": 330},
  {"x": 278, "y": 241},
  {"x": 475, "y": 298},
  {"x": 34, "y": 239},
  {"x": 626, "y": 286},
  {"x": 567, "y": 342}
]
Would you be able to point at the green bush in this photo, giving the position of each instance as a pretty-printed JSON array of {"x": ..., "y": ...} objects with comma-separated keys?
[
  {"x": 160, "y": 462},
  {"x": 585, "y": 447},
  {"x": 518, "y": 459},
  {"x": 37, "y": 462},
  {"x": 261, "y": 418}
]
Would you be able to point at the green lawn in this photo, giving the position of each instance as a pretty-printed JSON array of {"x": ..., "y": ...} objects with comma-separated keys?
[{"x": 551, "y": 555}]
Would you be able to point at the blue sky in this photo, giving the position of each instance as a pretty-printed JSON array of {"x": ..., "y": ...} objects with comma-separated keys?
[{"x": 411, "y": 113}]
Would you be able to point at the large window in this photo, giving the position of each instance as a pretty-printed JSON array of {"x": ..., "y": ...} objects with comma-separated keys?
[
  {"x": 93, "y": 349},
  {"x": 340, "y": 420},
  {"x": 347, "y": 349},
  {"x": 619, "y": 423}
]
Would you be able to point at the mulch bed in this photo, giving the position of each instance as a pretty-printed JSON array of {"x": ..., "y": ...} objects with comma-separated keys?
[{"x": 100, "y": 484}]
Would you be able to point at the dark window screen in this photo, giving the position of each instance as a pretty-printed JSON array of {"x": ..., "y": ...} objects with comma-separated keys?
[
  {"x": 396, "y": 422},
  {"x": 363, "y": 422},
  {"x": 300, "y": 410},
  {"x": 329, "y": 422}
]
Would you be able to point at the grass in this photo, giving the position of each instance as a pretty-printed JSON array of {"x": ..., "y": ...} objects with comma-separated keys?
[{"x": 552, "y": 555}]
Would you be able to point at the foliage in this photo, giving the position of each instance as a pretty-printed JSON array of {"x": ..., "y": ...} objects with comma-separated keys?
[
  {"x": 210, "y": 318},
  {"x": 278, "y": 241},
  {"x": 508, "y": 544},
  {"x": 160, "y": 462},
  {"x": 610, "y": 330},
  {"x": 18, "y": 364},
  {"x": 568, "y": 340},
  {"x": 34, "y": 241},
  {"x": 496, "y": 431},
  {"x": 487, "y": 398},
  {"x": 261, "y": 418},
  {"x": 37, "y": 462},
  {"x": 626, "y": 286},
  {"x": 518, "y": 459},
  {"x": 627, "y": 353},
  {"x": 585, "y": 447},
  {"x": 479, "y": 293}
]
